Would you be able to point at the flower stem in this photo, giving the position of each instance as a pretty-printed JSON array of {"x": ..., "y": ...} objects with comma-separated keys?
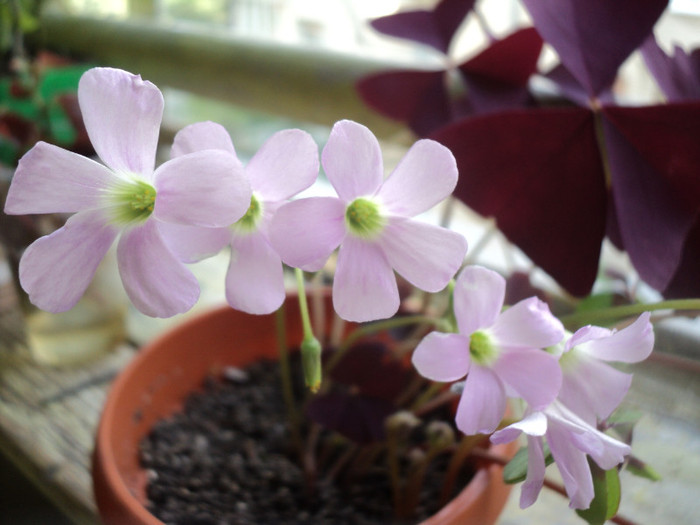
[
  {"x": 310, "y": 346},
  {"x": 578, "y": 319},
  {"x": 286, "y": 375}
]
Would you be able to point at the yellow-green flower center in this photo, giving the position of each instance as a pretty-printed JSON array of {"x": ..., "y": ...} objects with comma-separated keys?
[
  {"x": 482, "y": 349},
  {"x": 132, "y": 201},
  {"x": 363, "y": 219},
  {"x": 249, "y": 221}
]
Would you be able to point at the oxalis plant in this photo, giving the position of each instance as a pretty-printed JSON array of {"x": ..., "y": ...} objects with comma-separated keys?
[{"x": 475, "y": 351}]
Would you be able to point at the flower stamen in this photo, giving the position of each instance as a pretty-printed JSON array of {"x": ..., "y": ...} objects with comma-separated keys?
[
  {"x": 481, "y": 348},
  {"x": 363, "y": 218},
  {"x": 250, "y": 219},
  {"x": 132, "y": 202}
]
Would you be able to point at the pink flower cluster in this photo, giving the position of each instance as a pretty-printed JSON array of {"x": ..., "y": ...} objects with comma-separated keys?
[
  {"x": 203, "y": 199},
  {"x": 523, "y": 352}
]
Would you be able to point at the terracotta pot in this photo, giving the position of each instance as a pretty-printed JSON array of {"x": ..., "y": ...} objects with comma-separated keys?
[{"x": 164, "y": 372}]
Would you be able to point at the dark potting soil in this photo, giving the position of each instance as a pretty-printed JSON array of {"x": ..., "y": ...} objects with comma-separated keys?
[{"x": 227, "y": 459}]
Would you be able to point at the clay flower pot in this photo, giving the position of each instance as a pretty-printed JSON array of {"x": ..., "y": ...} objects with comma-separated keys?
[{"x": 164, "y": 372}]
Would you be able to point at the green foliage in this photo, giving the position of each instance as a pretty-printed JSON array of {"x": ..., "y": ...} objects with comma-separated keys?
[
  {"x": 641, "y": 469},
  {"x": 595, "y": 302},
  {"x": 516, "y": 469},
  {"x": 606, "y": 484},
  {"x": 16, "y": 16}
]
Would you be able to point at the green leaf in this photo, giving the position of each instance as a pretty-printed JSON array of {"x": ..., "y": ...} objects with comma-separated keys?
[
  {"x": 622, "y": 422},
  {"x": 61, "y": 80},
  {"x": 606, "y": 501},
  {"x": 60, "y": 127},
  {"x": 595, "y": 302},
  {"x": 641, "y": 469},
  {"x": 516, "y": 469},
  {"x": 8, "y": 152},
  {"x": 624, "y": 415}
]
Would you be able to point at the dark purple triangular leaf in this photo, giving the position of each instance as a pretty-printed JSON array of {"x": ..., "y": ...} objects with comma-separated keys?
[
  {"x": 654, "y": 159},
  {"x": 418, "y": 98},
  {"x": 370, "y": 368},
  {"x": 572, "y": 90},
  {"x": 678, "y": 76},
  {"x": 539, "y": 173},
  {"x": 355, "y": 416},
  {"x": 511, "y": 60},
  {"x": 497, "y": 78},
  {"x": 519, "y": 287},
  {"x": 489, "y": 96},
  {"x": 685, "y": 282},
  {"x": 434, "y": 28},
  {"x": 594, "y": 37}
]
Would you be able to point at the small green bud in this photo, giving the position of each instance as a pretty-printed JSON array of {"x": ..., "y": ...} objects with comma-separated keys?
[{"x": 311, "y": 363}]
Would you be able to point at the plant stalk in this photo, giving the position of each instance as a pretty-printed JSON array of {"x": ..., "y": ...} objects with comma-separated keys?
[
  {"x": 579, "y": 319},
  {"x": 310, "y": 346},
  {"x": 286, "y": 377}
]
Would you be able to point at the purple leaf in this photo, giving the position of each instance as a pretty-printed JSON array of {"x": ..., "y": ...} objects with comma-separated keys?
[
  {"x": 371, "y": 369},
  {"x": 593, "y": 38},
  {"x": 434, "y": 28},
  {"x": 571, "y": 89},
  {"x": 357, "y": 417},
  {"x": 418, "y": 98},
  {"x": 678, "y": 76},
  {"x": 653, "y": 163},
  {"x": 511, "y": 60},
  {"x": 539, "y": 173},
  {"x": 497, "y": 78},
  {"x": 685, "y": 282}
]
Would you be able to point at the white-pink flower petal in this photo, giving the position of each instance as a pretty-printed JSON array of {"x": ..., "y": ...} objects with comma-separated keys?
[
  {"x": 483, "y": 402},
  {"x": 593, "y": 389},
  {"x": 306, "y": 231},
  {"x": 425, "y": 255},
  {"x": 201, "y": 136},
  {"x": 122, "y": 115},
  {"x": 205, "y": 188},
  {"x": 56, "y": 269},
  {"x": 536, "y": 467},
  {"x": 194, "y": 243},
  {"x": 352, "y": 160},
  {"x": 425, "y": 176},
  {"x": 573, "y": 466},
  {"x": 255, "y": 279},
  {"x": 533, "y": 424},
  {"x": 528, "y": 323},
  {"x": 532, "y": 373},
  {"x": 442, "y": 357},
  {"x": 285, "y": 165},
  {"x": 157, "y": 283},
  {"x": 49, "y": 179},
  {"x": 478, "y": 298},
  {"x": 632, "y": 344},
  {"x": 364, "y": 288}
]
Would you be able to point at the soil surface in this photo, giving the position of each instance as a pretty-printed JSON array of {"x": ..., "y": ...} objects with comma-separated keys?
[{"x": 228, "y": 459}]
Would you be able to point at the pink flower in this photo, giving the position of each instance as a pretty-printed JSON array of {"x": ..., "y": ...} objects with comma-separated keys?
[
  {"x": 499, "y": 352},
  {"x": 590, "y": 387},
  {"x": 285, "y": 165},
  {"x": 570, "y": 440},
  {"x": 126, "y": 197},
  {"x": 371, "y": 221}
]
